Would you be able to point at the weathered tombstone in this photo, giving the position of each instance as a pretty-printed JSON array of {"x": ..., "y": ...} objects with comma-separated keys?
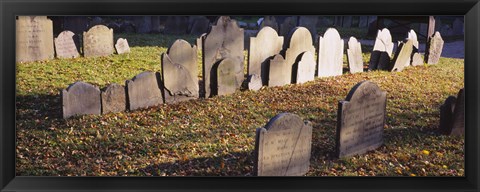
[
  {"x": 144, "y": 91},
  {"x": 330, "y": 54},
  {"x": 305, "y": 68},
  {"x": 382, "y": 51},
  {"x": 269, "y": 21},
  {"x": 309, "y": 22},
  {"x": 225, "y": 80},
  {"x": 65, "y": 46},
  {"x": 363, "y": 21},
  {"x": 265, "y": 45},
  {"x": 200, "y": 25},
  {"x": 347, "y": 21},
  {"x": 179, "y": 72},
  {"x": 80, "y": 98},
  {"x": 98, "y": 41},
  {"x": 114, "y": 99},
  {"x": 34, "y": 39},
  {"x": 283, "y": 147},
  {"x": 225, "y": 39},
  {"x": 458, "y": 124},
  {"x": 176, "y": 25},
  {"x": 360, "y": 120},
  {"x": 254, "y": 82},
  {"x": 143, "y": 24},
  {"x": 122, "y": 46},
  {"x": 403, "y": 56},
  {"x": 298, "y": 41},
  {"x": 354, "y": 56},
  {"x": 288, "y": 25},
  {"x": 434, "y": 50},
  {"x": 457, "y": 27},
  {"x": 277, "y": 75}
]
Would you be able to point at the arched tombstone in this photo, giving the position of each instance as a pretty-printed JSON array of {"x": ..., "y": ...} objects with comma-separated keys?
[
  {"x": 98, "y": 41},
  {"x": 354, "y": 56},
  {"x": 65, "y": 46},
  {"x": 382, "y": 51},
  {"x": 80, "y": 98},
  {"x": 278, "y": 69},
  {"x": 330, "y": 54},
  {"x": 304, "y": 69},
  {"x": 34, "y": 39},
  {"x": 403, "y": 56},
  {"x": 434, "y": 49},
  {"x": 283, "y": 147},
  {"x": 122, "y": 46},
  {"x": 114, "y": 99},
  {"x": 144, "y": 91},
  {"x": 224, "y": 78},
  {"x": 361, "y": 120},
  {"x": 299, "y": 40}
]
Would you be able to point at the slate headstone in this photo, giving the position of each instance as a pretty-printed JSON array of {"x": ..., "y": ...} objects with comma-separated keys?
[
  {"x": 269, "y": 21},
  {"x": 264, "y": 46},
  {"x": 144, "y": 91},
  {"x": 34, "y": 39},
  {"x": 403, "y": 56},
  {"x": 80, "y": 98},
  {"x": 122, "y": 46},
  {"x": 298, "y": 41},
  {"x": 330, "y": 54},
  {"x": 176, "y": 25},
  {"x": 225, "y": 80},
  {"x": 305, "y": 68},
  {"x": 382, "y": 51},
  {"x": 434, "y": 50},
  {"x": 98, "y": 41},
  {"x": 114, "y": 99},
  {"x": 278, "y": 69},
  {"x": 354, "y": 56},
  {"x": 65, "y": 46}
]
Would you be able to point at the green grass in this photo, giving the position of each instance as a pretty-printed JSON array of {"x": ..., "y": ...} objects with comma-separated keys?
[{"x": 216, "y": 136}]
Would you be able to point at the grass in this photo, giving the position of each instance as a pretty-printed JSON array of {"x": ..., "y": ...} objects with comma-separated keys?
[{"x": 215, "y": 136}]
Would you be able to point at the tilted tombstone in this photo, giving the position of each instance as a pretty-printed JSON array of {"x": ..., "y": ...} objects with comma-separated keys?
[
  {"x": 143, "y": 91},
  {"x": 354, "y": 56},
  {"x": 283, "y": 147},
  {"x": 122, "y": 46},
  {"x": 382, "y": 51},
  {"x": 179, "y": 72},
  {"x": 305, "y": 68},
  {"x": 360, "y": 120},
  {"x": 114, "y": 99},
  {"x": 200, "y": 25},
  {"x": 225, "y": 39},
  {"x": 143, "y": 24},
  {"x": 299, "y": 40},
  {"x": 278, "y": 71},
  {"x": 434, "y": 50},
  {"x": 287, "y": 26},
  {"x": 176, "y": 25},
  {"x": 65, "y": 46},
  {"x": 80, "y": 98},
  {"x": 269, "y": 21},
  {"x": 34, "y": 39},
  {"x": 264, "y": 46},
  {"x": 224, "y": 79},
  {"x": 403, "y": 56},
  {"x": 98, "y": 41},
  {"x": 309, "y": 22},
  {"x": 330, "y": 54}
]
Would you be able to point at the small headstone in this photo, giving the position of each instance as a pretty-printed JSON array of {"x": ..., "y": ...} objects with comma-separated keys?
[
  {"x": 143, "y": 91},
  {"x": 403, "y": 56},
  {"x": 80, "y": 98},
  {"x": 200, "y": 25},
  {"x": 309, "y": 22},
  {"x": 254, "y": 82},
  {"x": 457, "y": 27},
  {"x": 382, "y": 51},
  {"x": 34, "y": 39},
  {"x": 114, "y": 99},
  {"x": 277, "y": 75},
  {"x": 288, "y": 25},
  {"x": 65, "y": 46},
  {"x": 98, "y": 41},
  {"x": 269, "y": 21},
  {"x": 330, "y": 54},
  {"x": 143, "y": 24},
  {"x": 283, "y": 147},
  {"x": 361, "y": 120},
  {"x": 122, "y": 46},
  {"x": 298, "y": 41},
  {"x": 363, "y": 22},
  {"x": 176, "y": 25},
  {"x": 265, "y": 45},
  {"x": 354, "y": 55},
  {"x": 226, "y": 82},
  {"x": 305, "y": 68},
  {"x": 435, "y": 47},
  {"x": 417, "y": 59}
]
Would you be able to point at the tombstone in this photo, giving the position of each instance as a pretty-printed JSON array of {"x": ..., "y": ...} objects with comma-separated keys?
[
  {"x": 288, "y": 24},
  {"x": 330, "y": 54},
  {"x": 65, "y": 46},
  {"x": 309, "y": 22},
  {"x": 417, "y": 59},
  {"x": 248, "y": 33},
  {"x": 278, "y": 68},
  {"x": 413, "y": 36},
  {"x": 122, "y": 46},
  {"x": 283, "y": 147},
  {"x": 155, "y": 24},
  {"x": 363, "y": 22},
  {"x": 114, "y": 99},
  {"x": 458, "y": 124},
  {"x": 80, "y": 98},
  {"x": 179, "y": 72},
  {"x": 254, "y": 82},
  {"x": 360, "y": 120},
  {"x": 269, "y": 21},
  {"x": 200, "y": 25},
  {"x": 143, "y": 91},
  {"x": 298, "y": 41},
  {"x": 305, "y": 68},
  {"x": 403, "y": 56},
  {"x": 225, "y": 80},
  {"x": 382, "y": 51},
  {"x": 265, "y": 45},
  {"x": 34, "y": 39},
  {"x": 143, "y": 24},
  {"x": 457, "y": 27},
  {"x": 176, "y": 25},
  {"x": 354, "y": 56},
  {"x": 347, "y": 21},
  {"x": 225, "y": 39},
  {"x": 434, "y": 49},
  {"x": 446, "y": 115},
  {"x": 98, "y": 41}
]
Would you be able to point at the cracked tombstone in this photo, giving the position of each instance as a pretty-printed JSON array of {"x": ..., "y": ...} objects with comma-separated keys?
[
  {"x": 434, "y": 50},
  {"x": 278, "y": 71},
  {"x": 452, "y": 115},
  {"x": 80, "y": 98},
  {"x": 360, "y": 120},
  {"x": 403, "y": 56},
  {"x": 179, "y": 72},
  {"x": 65, "y": 46},
  {"x": 143, "y": 91},
  {"x": 176, "y": 25},
  {"x": 283, "y": 147},
  {"x": 114, "y": 99},
  {"x": 98, "y": 41},
  {"x": 34, "y": 39},
  {"x": 354, "y": 56},
  {"x": 122, "y": 46},
  {"x": 298, "y": 41},
  {"x": 330, "y": 54},
  {"x": 382, "y": 51},
  {"x": 224, "y": 79},
  {"x": 305, "y": 68},
  {"x": 269, "y": 21}
]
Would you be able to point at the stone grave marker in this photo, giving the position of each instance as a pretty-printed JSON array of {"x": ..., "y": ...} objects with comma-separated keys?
[
  {"x": 114, "y": 99},
  {"x": 360, "y": 120},
  {"x": 98, "y": 41},
  {"x": 179, "y": 72},
  {"x": 200, "y": 25},
  {"x": 298, "y": 41},
  {"x": 403, "y": 56},
  {"x": 254, "y": 82},
  {"x": 452, "y": 115},
  {"x": 354, "y": 55},
  {"x": 65, "y": 46},
  {"x": 305, "y": 68},
  {"x": 176, "y": 25},
  {"x": 278, "y": 71},
  {"x": 269, "y": 21},
  {"x": 287, "y": 26},
  {"x": 122, "y": 46},
  {"x": 309, "y": 22},
  {"x": 382, "y": 51},
  {"x": 143, "y": 91},
  {"x": 413, "y": 36},
  {"x": 434, "y": 50},
  {"x": 417, "y": 59},
  {"x": 283, "y": 147},
  {"x": 80, "y": 98},
  {"x": 446, "y": 115},
  {"x": 225, "y": 79},
  {"x": 34, "y": 39},
  {"x": 330, "y": 54}
]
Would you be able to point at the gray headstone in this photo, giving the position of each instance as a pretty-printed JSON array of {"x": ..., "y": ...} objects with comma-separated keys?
[
  {"x": 458, "y": 120},
  {"x": 330, "y": 54},
  {"x": 80, "y": 98},
  {"x": 347, "y": 21},
  {"x": 143, "y": 24},
  {"x": 288, "y": 25},
  {"x": 363, "y": 22},
  {"x": 254, "y": 82},
  {"x": 114, "y": 99},
  {"x": 309, "y": 22},
  {"x": 305, "y": 68},
  {"x": 360, "y": 120},
  {"x": 98, "y": 41},
  {"x": 457, "y": 27},
  {"x": 269, "y": 21},
  {"x": 225, "y": 39},
  {"x": 283, "y": 147},
  {"x": 34, "y": 39},
  {"x": 434, "y": 49},
  {"x": 403, "y": 56},
  {"x": 417, "y": 59},
  {"x": 176, "y": 25},
  {"x": 200, "y": 25},
  {"x": 382, "y": 51},
  {"x": 226, "y": 81},
  {"x": 122, "y": 46},
  {"x": 354, "y": 56},
  {"x": 264, "y": 46},
  {"x": 179, "y": 72},
  {"x": 299, "y": 41},
  {"x": 278, "y": 71},
  {"x": 65, "y": 46},
  {"x": 144, "y": 91}
]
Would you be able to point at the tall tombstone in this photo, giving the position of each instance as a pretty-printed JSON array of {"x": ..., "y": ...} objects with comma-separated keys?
[
  {"x": 65, "y": 46},
  {"x": 278, "y": 69},
  {"x": 434, "y": 49},
  {"x": 143, "y": 24},
  {"x": 176, "y": 25},
  {"x": 144, "y": 91},
  {"x": 114, "y": 99},
  {"x": 309, "y": 22},
  {"x": 305, "y": 68},
  {"x": 199, "y": 26},
  {"x": 299, "y": 40},
  {"x": 403, "y": 56},
  {"x": 382, "y": 51},
  {"x": 179, "y": 72},
  {"x": 283, "y": 147},
  {"x": 330, "y": 54},
  {"x": 80, "y": 98},
  {"x": 287, "y": 26},
  {"x": 122, "y": 46},
  {"x": 269, "y": 21},
  {"x": 224, "y": 40},
  {"x": 224, "y": 79},
  {"x": 98, "y": 41},
  {"x": 262, "y": 47},
  {"x": 360, "y": 120},
  {"x": 34, "y": 39},
  {"x": 354, "y": 55}
]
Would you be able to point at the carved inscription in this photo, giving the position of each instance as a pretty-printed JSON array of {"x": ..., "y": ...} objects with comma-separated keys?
[
  {"x": 34, "y": 38},
  {"x": 65, "y": 46}
]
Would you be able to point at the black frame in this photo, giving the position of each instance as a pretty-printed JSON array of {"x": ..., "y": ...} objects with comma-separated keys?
[{"x": 8, "y": 10}]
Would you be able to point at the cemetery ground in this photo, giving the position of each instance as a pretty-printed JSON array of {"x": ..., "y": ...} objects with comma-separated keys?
[{"x": 216, "y": 136}]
